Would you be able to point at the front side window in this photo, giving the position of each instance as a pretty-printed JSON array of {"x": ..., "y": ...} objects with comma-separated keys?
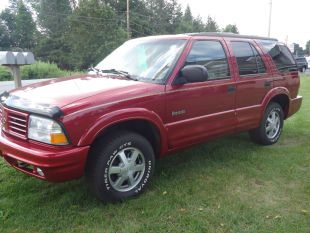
[
  {"x": 246, "y": 58},
  {"x": 280, "y": 55},
  {"x": 211, "y": 55},
  {"x": 148, "y": 60}
]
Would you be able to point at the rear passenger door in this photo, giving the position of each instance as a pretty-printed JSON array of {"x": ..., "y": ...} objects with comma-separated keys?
[
  {"x": 253, "y": 82},
  {"x": 199, "y": 110}
]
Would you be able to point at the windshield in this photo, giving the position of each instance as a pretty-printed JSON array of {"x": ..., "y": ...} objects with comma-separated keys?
[{"x": 147, "y": 60}]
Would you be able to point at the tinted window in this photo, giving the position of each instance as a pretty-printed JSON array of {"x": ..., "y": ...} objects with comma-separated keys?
[
  {"x": 211, "y": 55},
  {"x": 280, "y": 54},
  {"x": 246, "y": 58},
  {"x": 260, "y": 64}
]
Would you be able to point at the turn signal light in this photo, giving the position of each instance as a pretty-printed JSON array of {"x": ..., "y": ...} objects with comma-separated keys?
[{"x": 59, "y": 139}]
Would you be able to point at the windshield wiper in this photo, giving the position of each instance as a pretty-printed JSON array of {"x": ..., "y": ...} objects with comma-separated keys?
[
  {"x": 120, "y": 72},
  {"x": 113, "y": 71},
  {"x": 97, "y": 71}
]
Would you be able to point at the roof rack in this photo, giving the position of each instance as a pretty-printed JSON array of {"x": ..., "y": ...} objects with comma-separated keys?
[{"x": 221, "y": 34}]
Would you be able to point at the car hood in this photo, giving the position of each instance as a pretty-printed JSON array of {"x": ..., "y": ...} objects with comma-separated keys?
[{"x": 63, "y": 91}]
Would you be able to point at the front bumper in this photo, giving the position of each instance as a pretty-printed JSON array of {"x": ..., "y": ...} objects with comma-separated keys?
[
  {"x": 57, "y": 164},
  {"x": 294, "y": 105}
]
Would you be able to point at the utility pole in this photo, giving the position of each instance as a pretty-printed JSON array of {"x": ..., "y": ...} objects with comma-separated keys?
[
  {"x": 128, "y": 25},
  {"x": 270, "y": 13}
]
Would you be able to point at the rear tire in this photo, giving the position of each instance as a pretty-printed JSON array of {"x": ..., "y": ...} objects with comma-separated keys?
[
  {"x": 120, "y": 166},
  {"x": 270, "y": 128}
]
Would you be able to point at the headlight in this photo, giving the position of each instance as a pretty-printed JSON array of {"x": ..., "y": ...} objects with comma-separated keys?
[{"x": 46, "y": 130}]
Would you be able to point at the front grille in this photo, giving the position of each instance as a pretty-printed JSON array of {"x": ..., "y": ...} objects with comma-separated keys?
[
  {"x": 17, "y": 124},
  {"x": 14, "y": 123}
]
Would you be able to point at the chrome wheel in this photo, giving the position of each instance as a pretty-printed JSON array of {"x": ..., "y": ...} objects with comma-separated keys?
[
  {"x": 272, "y": 125},
  {"x": 126, "y": 169}
]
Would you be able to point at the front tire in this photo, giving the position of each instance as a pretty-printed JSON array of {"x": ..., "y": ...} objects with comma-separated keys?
[
  {"x": 270, "y": 128},
  {"x": 120, "y": 166}
]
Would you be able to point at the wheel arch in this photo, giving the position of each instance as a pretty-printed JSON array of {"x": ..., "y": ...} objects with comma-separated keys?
[
  {"x": 278, "y": 95},
  {"x": 141, "y": 121}
]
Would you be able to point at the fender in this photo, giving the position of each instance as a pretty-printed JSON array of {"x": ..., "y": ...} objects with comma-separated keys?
[
  {"x": 122, "y": 115},
  {"x": 272, "y": 93}
]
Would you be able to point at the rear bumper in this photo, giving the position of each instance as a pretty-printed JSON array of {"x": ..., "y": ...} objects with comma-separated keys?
[
  {"x": 58, "y": 164},
  {"x": 294, "y": 105}
]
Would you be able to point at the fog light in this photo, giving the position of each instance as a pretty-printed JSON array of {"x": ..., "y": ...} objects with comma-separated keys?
[{"x": 40, "y": 172}]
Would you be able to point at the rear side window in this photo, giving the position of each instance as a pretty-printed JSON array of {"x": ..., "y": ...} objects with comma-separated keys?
[
  {"x": 211, "y": 55},
  {"x": 248, "y": 60},
  {"x": 280, "y": 55},
  {"x": 260, "y": 64}
]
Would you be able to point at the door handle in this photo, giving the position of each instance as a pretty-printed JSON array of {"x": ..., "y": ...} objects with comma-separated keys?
[
  {"x": 231, "y": 88},
  {"x": 267, "y": 84}
]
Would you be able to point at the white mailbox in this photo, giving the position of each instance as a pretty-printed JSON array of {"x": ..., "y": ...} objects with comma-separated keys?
[
  {"x": 29, "y": 58},
  {"x": 14, "y": 60},
  {"x": 19, "y": 58},
  {"x": 7, "y": 58}
]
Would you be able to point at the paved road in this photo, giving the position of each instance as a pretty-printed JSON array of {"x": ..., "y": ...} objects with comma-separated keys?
[{"x": 9, "y": 85}]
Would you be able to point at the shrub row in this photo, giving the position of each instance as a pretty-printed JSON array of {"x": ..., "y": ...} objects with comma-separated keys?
[{"x": 38, "y": 70}]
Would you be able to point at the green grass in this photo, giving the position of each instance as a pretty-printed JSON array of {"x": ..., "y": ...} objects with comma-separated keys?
[{"x": 227, "y": 185}]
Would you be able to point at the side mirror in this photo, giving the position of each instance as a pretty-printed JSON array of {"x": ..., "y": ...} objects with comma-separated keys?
[{"x": 192, "y": 74}]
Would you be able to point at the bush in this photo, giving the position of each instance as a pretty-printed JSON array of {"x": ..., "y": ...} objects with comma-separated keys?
[
  {"x": 38, "y": 70},
  {"x": 5, "y": 74}
]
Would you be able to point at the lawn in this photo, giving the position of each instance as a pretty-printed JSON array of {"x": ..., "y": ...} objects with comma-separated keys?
[{"x": 227, "y": 185}]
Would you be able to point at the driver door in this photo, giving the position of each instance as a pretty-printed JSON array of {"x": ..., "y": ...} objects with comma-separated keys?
[{"x": 199, "y": 110}]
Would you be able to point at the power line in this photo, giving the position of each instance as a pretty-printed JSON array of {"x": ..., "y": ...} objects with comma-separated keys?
[
  {"x": 148, "y": 29},
  {"x": 82, "y": 17}
]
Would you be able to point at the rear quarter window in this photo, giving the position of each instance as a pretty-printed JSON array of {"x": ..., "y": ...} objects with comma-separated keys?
[{"x": 280, "y": 54}]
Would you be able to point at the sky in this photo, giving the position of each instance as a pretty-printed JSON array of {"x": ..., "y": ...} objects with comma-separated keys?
[{"x": 290, "y": 19}]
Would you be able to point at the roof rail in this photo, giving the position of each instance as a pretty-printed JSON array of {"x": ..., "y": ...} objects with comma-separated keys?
[{"x": 221, "y": 34}]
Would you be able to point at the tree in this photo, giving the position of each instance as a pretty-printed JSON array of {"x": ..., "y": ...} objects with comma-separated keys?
[
  {"x": 188, "y": 17},
  {"x": 18, "y": 26},
  {"x": 174, "y": 13},
  {"x": 211, "y": 25},
  {"x": 189, "y": 23},
  {"x": 298, "y": 51},
  {"x": 231, "y": 28},
  {"x": 53, "y": 15},
  {"x": 308, "y": 47},
  {"x": 53, "y": 21},
  {"x": 8, "y": 26},
  {"x": 5, "y": 40},
  {"x": 198, "y": 25},
  {"x": 91, "y": 39},
  {"x": 77, "y": 33},
  {"x": 24, "y": 35}
]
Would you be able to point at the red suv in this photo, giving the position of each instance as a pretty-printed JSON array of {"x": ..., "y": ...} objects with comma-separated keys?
[{"x": 150, "y": 97}]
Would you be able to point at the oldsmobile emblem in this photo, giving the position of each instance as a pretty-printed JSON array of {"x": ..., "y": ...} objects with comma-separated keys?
[{"x": 179, "y": 112}]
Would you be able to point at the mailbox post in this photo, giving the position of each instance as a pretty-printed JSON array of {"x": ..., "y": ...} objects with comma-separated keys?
[{"x": 14, "y": 60}]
